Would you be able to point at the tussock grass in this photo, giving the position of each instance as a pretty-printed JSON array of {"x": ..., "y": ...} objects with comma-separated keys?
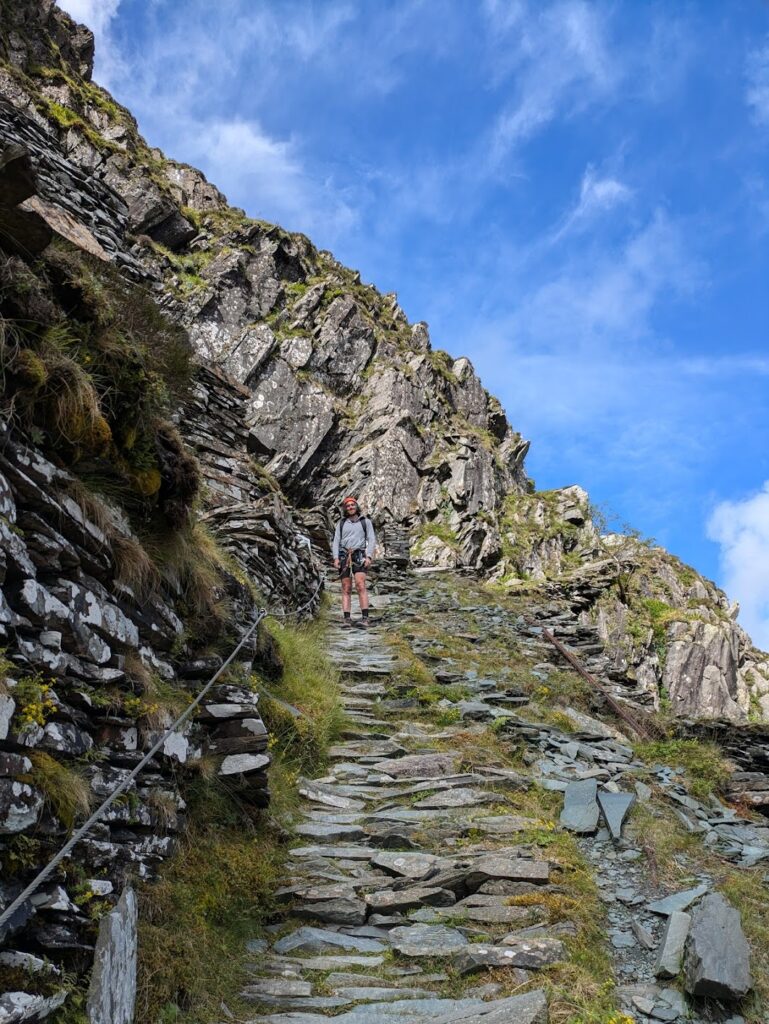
[
  {"x": 702, "y": 763},
  {"x": 66, "y": 792},
  {"x": 212, "y": 896},
  {"x": 310, "y": 683}
]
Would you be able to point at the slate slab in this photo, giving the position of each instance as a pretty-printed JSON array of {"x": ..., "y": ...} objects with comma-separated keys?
[
  {"x": 517, "y": 869},
  {"x": 529, "y": 954},
  {"x": 426, "y": 940},
  {"x": 717, "y": 953},
  {"x": 320, "y": 940},
  {"x": 415, "y": 765},
  {"x": 677, "y": 900},
  {"x": 580, "y": 807},
  {"x": 463, "y": 796},
  {"x": 615, "y": 808},
  {"x": 407, "y": 865},
  {"x": 345, "y": 910},
  {"x": 330, "y": 831},
  {"x": 671, "y": 949}
]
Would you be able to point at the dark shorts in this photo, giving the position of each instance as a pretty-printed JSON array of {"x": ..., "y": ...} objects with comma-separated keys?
[{"x": 357, "y": 565}]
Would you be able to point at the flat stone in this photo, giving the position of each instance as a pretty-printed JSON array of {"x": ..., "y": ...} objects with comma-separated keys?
[
  {"x": 645, "y": 937},
  {"x": 426, "y": 940},
  {"x": 460, "y": 797},
  {"x": 330, "y": 963},
  {"x": 530, "y": 954},
  {"x": 717, "y": 953},
  {"x": 330, "y": 831},
  {"x": 615, "y": 808},
  {"x": 319, "y": 940},
  {"x": 428, "y": 766},
  {"x": 671, "y": 949},
  {"x": 280, "y": 987},
  {"x": 407, "y": 865},
  {"x": 363, "y": 993},
  {"x": 337, "y": 911},
  {"x": 677, "y": 900},
  {"x": 243, "y": 764},
  {"x": 580, "y": 807},
  {"x": 335, "y": 852},
  {"x": 324, "y": 795},
  {"x": 527, "y": 1008},
  {"x": 406, "y": 899},
  {"x": 517, "y": 869}
]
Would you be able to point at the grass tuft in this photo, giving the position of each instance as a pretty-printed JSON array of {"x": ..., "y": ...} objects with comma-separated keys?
[{"x": 66, "y": 792}]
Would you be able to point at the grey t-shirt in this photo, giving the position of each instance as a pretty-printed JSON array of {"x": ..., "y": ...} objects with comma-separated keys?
[{"x": 353, "y": 536}]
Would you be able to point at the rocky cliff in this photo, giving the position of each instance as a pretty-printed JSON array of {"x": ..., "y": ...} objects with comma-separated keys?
[{"x": 187, "y": 394}]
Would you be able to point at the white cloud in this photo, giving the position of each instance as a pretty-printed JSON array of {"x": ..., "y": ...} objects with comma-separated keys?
[
  {"x": 560, "y": 61},
  {"x": 245, "y": 161},
  {"x": 741, "y": 528},
  {"x": 757, "y": 91},
  {"x": 597, "y": 196}
]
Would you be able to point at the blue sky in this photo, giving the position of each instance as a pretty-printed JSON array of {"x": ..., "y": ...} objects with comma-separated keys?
[{"x": 574, "y": 194}]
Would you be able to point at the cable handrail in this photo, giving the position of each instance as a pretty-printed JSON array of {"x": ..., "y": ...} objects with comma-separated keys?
[{"x": 83, "y": 830}]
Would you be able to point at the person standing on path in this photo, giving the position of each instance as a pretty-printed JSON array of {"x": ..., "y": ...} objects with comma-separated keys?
[{"x": 353, "y": 552}]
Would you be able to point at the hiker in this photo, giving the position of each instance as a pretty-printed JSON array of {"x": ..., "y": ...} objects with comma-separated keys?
[{"x": 353, "y": 551}]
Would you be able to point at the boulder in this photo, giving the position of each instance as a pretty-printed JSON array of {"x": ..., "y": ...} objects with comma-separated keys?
[{"x": 717, "y": 954}]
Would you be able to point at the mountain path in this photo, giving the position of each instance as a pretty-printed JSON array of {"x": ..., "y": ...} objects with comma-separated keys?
[{"x": 418, "y": 891}]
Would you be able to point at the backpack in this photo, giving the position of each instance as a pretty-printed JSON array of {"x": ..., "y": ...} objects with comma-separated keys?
[{"x": 364, "y": 521}]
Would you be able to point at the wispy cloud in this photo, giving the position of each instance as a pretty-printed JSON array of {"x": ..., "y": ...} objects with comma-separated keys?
[
  {"x": 757, "y": 88},
  {"x": 741, "y": 528},
  {"x": 244, "y": 160},
  {"x": 597, "y": 195},
  {"x": 559, "y": 61}
]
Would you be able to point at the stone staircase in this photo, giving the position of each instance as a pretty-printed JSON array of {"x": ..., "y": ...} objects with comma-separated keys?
[{"x": 412, "y": 877}]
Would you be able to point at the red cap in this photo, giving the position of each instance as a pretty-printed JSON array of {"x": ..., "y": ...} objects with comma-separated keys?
[{"x": 350, "y": 499}]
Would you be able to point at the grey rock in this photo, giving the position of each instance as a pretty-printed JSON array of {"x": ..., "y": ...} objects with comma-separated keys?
[
  {"x": 329, "y": 831},
  {"x": 526, "y": 953},
  {"x": 517, "y": 869},
  {"x": 580, "y": 808},
  {"x": 20, "y": 806},
  {"x": 717, "y": 953},
  {"x": 426, "y": 940},
  {"x": 644, "y": 937},
  {"x": 337, "y": 911},
  {"x": 407, "y": 865},
  {"x": 112, "y": 990},
  {"x": 319, "y": 940},
  {"x": 615, "y": 808},
  {"x": 460, "y": 797},
  {"x": 671, "y": 950},
  {"x": 677, "y": 900}
]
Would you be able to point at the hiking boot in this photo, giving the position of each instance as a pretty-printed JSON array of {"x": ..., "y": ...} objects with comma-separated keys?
[
  {"x": 346, "y": 623},
  {"x": 366, "y": 623}
]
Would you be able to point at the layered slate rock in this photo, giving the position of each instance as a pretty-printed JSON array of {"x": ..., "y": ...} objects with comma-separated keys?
[
  {"x": 580, "y": 807},
  {"x": 717, "y": 955}
]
